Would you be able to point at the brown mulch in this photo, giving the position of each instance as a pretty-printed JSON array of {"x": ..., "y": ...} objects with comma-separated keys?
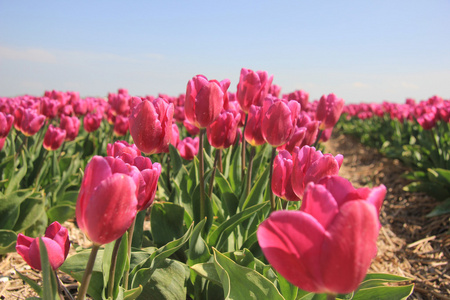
[{"x": 409, "y": 244}]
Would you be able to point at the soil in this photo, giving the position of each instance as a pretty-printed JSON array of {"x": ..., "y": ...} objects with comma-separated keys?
[{"x": 410, "y": 244}]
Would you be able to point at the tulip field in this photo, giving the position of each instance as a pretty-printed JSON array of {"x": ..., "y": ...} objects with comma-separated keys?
[{"x": 220, "y": 194}]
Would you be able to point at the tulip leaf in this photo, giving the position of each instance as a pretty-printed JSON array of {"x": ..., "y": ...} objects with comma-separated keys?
[
  {"x": 222, "y": 182},
  {"x": 121, "y": 262},
  {"x": 198, "y": 251},
  {"x": 8, "y": 240},
  {"x": 138, "y": 233},
  {"x": 196, "y": 208},
  {"x": 243, "y": 283},
  {"x": 385, "y": 292},
  {"x": 175, "y": 159},
  {"x": 218, "y": 237},
  {"x": 50, "y": 285},
  {"x": 235, "y": 173},
  {"x": 287, "y": 289},
  {"x": 16, "y": 177},
  {"x": 168, "y": 281},
  {"x": 208, "y": 271},
  {"x": 166, "y": 222},
  {"x": 31, "y": 211},
  {"x": 132, "y": 294},
  {"x": 61, "y": 213},
  {"x": 441, "y": 209},
  {"x": 257, "y": 192}
]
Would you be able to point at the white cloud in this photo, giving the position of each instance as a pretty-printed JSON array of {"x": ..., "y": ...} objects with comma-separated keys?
[{"x": 28, "y": 54}]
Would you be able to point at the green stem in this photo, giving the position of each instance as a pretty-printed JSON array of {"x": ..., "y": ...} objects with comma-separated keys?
[
  {"x": 112, "y": 268},
  {"x": 249, "y": 171},
  {"x": 317, "y": 139},
  {"x": 243, "y": 147},
  {"x": 273, "y": 205},
  {"x": 41, "y": 163},
  {"x": 201, "y": 175},
  {"x": 88, "y": 273},
  {"x": 211, "y": 181},
  {"x": 169, "y": 185},
  {"x": 130, "y": 240}
]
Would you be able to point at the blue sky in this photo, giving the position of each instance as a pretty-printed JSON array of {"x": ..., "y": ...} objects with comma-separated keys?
[{"x": 363, "y": 51}]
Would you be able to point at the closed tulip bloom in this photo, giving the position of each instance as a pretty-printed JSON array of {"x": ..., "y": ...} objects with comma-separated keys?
[
  {"x": 175, "y": 135},
  {"x": 300, "y": 96},
  {"x": 222, "y": 132},
  {"x": 107, "y": 202},
  {"x": 427, "y": 120},
  {"x": 151, "y": 125},
  {"x": 275, "y": 90},
  {"x": 328, "y": 245},
  {"x": 329, "y": 110},
  {"x": 278, "y": 120},
  {"x": 310, "y": 166},
  {"x": 28, "y": 121},
  {"x": 6, "y": 122},
  {"x": 54, "y": 137},
  {"x": 124, "y": 151},
  {"x": 252, "y": 88},
  {"x": 191, "y": 129},
  {"x": 49, "y": 107},
  {"x": 281, "y": 179},
  {"x": 253, "y": 134},
  {"x": 71, "y": 125},
  {"x": 188, "y": 147},
  {"x": 92, "y": 122},
  {"x": 121, "y": 125},
  {"x": 296, "y": 140},
  {"x": 56, "y": 240},
  {"x": 204, "y": 101}
]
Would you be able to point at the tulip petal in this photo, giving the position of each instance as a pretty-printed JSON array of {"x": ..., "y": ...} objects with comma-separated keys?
[
  {"x": 319, "y": 202},
  {"x": 349, "y": 246},
  {"x": 291, "y": 240}
]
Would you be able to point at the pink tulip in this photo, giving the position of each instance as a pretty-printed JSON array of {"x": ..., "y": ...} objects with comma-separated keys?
[
  {"x": 222, "y": 132},
  {"x": 274, "y": 90},
  {"x": 175, "y": 135},
  {"x": 278, "y": 120},
  {"x": 191, "y": 129},
  {"x": 124, "y": 151},
  {"x": 28, "y": 121},
  {"x": 6, "y": 122},
  {"x": 310, "y": 165},
  {"x": 253, "y": 134},
  {"x": 151, "y": 125},
  {"x": 328, "y": 245},
  {"x": 252, "y": 88},
  {"x": 71, "y": 125},
  {"x": 204, "y": 101},
  {"x": 54, "y": 137},
  {"x": 2, "y": 142},
  {"x": 92, "y": 122},
  {"x": 188, "y": 148},
  {"x": 329, "y": 110},
  {"x": 56, "y": 240},
  {"x": 295, "y": 141},
  {"x": 121, "y": 125},
  {"x": 107, "y": 202},
  {"x": 281, "y": 176}
]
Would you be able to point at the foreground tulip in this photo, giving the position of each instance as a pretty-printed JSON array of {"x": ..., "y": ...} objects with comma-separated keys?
[
  {"x": 281, "y": 181},
  {"x": 328, "y": 245},
  {"x": 310, "y": 165},
  {"x": 107, "y": 202},
  {"x": 252, "y": 88},
  {"x": 54, "y": 137},
  {"x": 151, "y": 125},
  {"x": 204, "y": 101},
  {"x": 329, "y": 110},
  {"x": 56, "y": 240}
]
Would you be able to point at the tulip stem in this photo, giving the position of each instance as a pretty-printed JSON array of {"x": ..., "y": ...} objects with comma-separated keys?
[
  {"x": 213, "y": 173},
  {"x": 243, "y": 147},
  {"x": 201, "y": 175},
  {"x": 220, "y": 162},
  {"x": 61, "y": 286},
  {"x": 249, "y": 171},
  {"x": 273, "y": 204},
  {"x": 112, "y": 268},
  {"x": 130, "y": 240},
  {"x": 169, "y": 185},
  {"x": 88, "y": 273},
  {"x": 317, "y": 139}
]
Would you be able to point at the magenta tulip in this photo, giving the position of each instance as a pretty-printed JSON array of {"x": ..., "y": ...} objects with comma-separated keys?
[
  {"x": 107, "y": 202},
  {"x": 204, "y": 101},
  {"x": 281, "y": 179},
  {"x": 124, "y": 151},
  {"x": 28, "y": 121},
  {"x": 54, "y": 137},
  {"x": 310, "y": 165},
  {"x": 222, "y": 132},
  {"x": 328, "y": 245},
  {"x": 188, "y": 147},
  {"x": 175, "y": 135},
  {"x": 71, "y": 125},
  {"x": 296, "y": 140},
  {"x": 329, "y": 110},
  {"x": 92, "y": 122},
  {"x": 253, "y": 134},
  {"x": 121, "y": 125},
  {"x": 278, "y": 120},
  {"x": 56, "y": 240},
  {"x": 252, "y": 88},
  {"x": 6, "y": 122},
  {"x": 151, "y": 125}
]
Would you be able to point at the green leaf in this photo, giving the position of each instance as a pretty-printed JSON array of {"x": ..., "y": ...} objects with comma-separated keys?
[
  {"x": 17, "y": 176},
  {"x": 385, "y": 292},
  {"x": 168, "y": 281},
  {"x": 132, "y": 294},
  {"x": 196, "y": 208},
  {"x": 243, "y": 283},
  {"x": 138, "y": 233},
  {"x": 50, "y": 286},
  {"x": 235, "y": 173},
  {"x": 61, "y": 213},
  {"x": 288, "y": 290},
  {"x": 198, "y": 251},
  {"x": 440, "y": 175},
  {"x": 220, "y": 235},
  {"x": 175, "y": 159},
  {"x": 441, "y": 209},
  {"x": 31, "y": 211},
  {"x": 166, "y": 222},
  {"x": 257, "y": 192},
  {"x": 208, "y": 271},
  {"x": 33, "y": 284}
]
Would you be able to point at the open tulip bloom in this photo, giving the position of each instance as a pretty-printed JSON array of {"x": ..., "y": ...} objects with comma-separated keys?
[{"x": 328, "y": 245}]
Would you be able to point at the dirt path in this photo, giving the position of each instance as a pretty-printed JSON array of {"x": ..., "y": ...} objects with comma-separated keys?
[{"x": 409, "y": 244}]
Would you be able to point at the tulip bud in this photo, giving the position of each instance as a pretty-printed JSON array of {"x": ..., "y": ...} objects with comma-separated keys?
[
  {"x": 124, "y": 151},
  {"x": 329, "y": 110},
  {"x": 6, "y": 122},
  {"x": 121, "y": 125},
  {"x": 92, "y": 122},
  {"x": 151, "y": 125},
  {"x": 54, "y": 137},
  {"x": 28, "y": 121},
  {"x": 56, "y": 240},
  {"x": 253, "y": 134},
  {"x": 71, "y": 125},
  {"x": 281, "y": 177},
  {"x": 222, "y": 132},
  {"x": 204, "y": 101},
  {"x": 252, "y": 88},
  {"x": 188, "y": 148}
]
